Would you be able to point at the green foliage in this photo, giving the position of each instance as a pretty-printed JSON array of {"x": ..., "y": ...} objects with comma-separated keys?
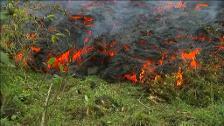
[
  {"x": 93, "y": 101},
  {"x": 51, "y": 61},
  {"x": 55, "y": 37},
  {"x": 51, "y": 17}
]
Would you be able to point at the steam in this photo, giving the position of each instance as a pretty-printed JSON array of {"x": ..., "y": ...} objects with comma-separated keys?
[
  {"x": 122, "y": 17},
  {"x": 115, "y": 16}
]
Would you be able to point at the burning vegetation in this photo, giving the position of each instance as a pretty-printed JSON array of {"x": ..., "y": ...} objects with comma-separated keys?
[
  {"x": 143, "y": 59},
  {"x": 171, "y": 51}
]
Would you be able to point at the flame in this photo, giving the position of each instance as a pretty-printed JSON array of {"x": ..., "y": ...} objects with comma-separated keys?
[
  {"x": 179, "y": 77},
  {"x": 19, "y": 56},
  {"x": 86, "y": 19},
  {"x": 200, "y": 5},
  {"x": 192, "y": 57},
  {"x": 75, "y": 17},
  {"x": 77, "y": 55},
  {"x": 146, "y": 67},
  {"x": 61, "y": 61},
  {"x": 131, "y": 76},
  {"x": 194, "y": 64},
  {"x": 35, "y": 49},
  {"x": 111, "y": 53}
]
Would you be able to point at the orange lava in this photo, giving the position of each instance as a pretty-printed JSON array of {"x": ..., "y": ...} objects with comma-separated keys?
[
  {"x": 77, "y": 55},
  {"x": 131, "y": 77},
  {"x": 200, "y": 6},
  {"x": 61, "y": 61},
  {"x": 192, "y": 57},
  {"x": 19, "y": 57},
  {"x": 75, "y": 17},
  {"x": 35, "y": 49},
  {"x": 86, "y": 19}
]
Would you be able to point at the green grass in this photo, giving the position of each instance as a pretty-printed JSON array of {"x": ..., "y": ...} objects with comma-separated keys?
[{"x": 93, "y": 101}]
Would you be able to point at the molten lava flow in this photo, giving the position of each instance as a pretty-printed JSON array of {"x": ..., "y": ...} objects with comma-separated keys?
[
  {"x": 86, "y": 20},
  {"x": 192, "y": 57},
  {"x": 193, "y": 64},
  {"x": 35, "y": 49},
  {"x": 75, "y": 17},
  {"x": 19, "y": 57},
  {"x": 200, "y": 5},
  {"x": 61, "y": 62},
  {"x": 131, "y": 76},
  {"x": 78, "y": 54},
  {"x": 179, "y": 77}
]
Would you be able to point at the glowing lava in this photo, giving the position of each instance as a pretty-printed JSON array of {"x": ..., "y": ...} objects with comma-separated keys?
[
  {"x": 61, "y": 62},
  {"x": 78, "y": 54},
  {"x": 200, "y": 6},
  {"x": 131, "y": 77},
  {"x": 191, "y": 56}
]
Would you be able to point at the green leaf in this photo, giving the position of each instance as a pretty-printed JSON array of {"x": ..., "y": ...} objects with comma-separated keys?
[
  {"x": 13, "y": 117},
  {"x": 4, "y": 58},
  {"x": 86, "y": 98},
  {"x": 68, "y": 32},
  {"x": 51, "y": 17},
  {"x": 60, "y": 34},
  {"x": 3, "y": 16},
  {"x": 51, "y": 61},
  {"x": 54, "y": 38},
  {"x": 56, "y": 79}
]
